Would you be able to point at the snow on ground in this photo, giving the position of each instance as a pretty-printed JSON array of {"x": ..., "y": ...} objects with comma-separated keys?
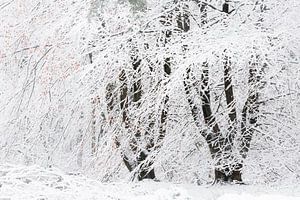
[{"x": 22, "y": 182}]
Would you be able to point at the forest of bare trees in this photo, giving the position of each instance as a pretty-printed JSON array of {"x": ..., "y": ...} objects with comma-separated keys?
[{"x": 174, "y": 90}]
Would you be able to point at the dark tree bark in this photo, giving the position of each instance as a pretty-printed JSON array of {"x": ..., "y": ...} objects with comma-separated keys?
[
  {"x": 220, "y": 147},
  {"x": 236, "y": 167},
  {"x": 143, "y": 168},
  {"x": 145, "y": 171},
  {"x": 228, "y": 169},
  {"x": 225, "y": 8},
  {"x": 137, "y": 85},
  {"x": 124, "y": 110},
  {"x": 124, "y": 98},
  {"x": 251, "y": 108}
]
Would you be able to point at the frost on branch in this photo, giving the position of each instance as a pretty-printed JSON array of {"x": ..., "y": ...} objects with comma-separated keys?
[{"x": 183, "y": 91}]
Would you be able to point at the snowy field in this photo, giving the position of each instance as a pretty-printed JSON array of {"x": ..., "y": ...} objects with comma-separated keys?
[{"x": 21, "y": 182}]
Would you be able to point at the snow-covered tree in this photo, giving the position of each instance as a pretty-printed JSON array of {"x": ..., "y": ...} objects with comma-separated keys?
[{"x": 181, "y": 91}]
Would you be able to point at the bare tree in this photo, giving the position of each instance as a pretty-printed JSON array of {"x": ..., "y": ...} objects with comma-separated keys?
[{"x": 221, "y": 145}]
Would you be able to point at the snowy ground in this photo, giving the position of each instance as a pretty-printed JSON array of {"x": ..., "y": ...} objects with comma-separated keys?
[{"x": 20, "y": 182}]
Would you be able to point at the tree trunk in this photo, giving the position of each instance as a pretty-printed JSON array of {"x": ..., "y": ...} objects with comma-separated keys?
[
  {"x": 220, "y": 147},
  {"x": 146, "y": 170},
  {"x": 250, "y": 109},
  {"x": 221, "y": 176},
  {"x": 142, "y": 168}
]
